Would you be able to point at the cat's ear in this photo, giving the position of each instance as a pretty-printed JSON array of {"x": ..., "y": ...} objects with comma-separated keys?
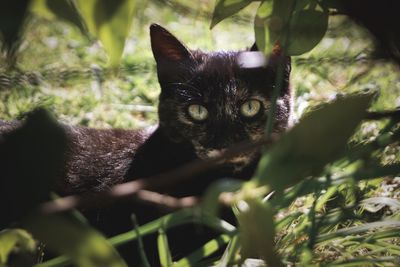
[{"x": 166, "y": 47}]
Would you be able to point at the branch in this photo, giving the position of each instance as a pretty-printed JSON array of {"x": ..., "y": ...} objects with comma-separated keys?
[
  {"x": 141, "y": 188},
  {"x": 378, "y": 115}
]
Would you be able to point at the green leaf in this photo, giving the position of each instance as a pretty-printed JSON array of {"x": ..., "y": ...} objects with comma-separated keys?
[
  {"x": 17, "y": 239},
  {"x": 208, "y": 249},
  {"x": 231, "y": 250},
  {"x": 169, "y": 221},
  {"x": 227, "y": 8},
  {"x": 173, "y": 219},
  {"x": 163, "y": 248},
  {"x": 110, "y": 21},
  {"x": 66, "y": 234},
  {"x": 261, "y": 22},
  {"x": 317, "y": 140},
  {"x": 297, "y": 26},
  {"x": 257, "y": 231},
  {"x": 59, "y": 9},
  {"x": 307, "y": 28}
]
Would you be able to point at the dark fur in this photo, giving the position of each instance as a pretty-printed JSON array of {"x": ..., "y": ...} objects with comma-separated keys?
[{"x": 98, "y": 159}]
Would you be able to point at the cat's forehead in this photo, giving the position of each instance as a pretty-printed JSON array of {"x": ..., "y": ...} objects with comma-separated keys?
[
  {"x": 216, "y": 63},
  {"x": 221, "y": 73}
]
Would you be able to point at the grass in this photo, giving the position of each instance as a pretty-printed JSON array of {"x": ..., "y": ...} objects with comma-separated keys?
[{"x": 66, "y": 72}]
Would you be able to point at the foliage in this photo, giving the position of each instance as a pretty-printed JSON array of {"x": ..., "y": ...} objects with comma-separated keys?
[{"x": 331, "y": 206}]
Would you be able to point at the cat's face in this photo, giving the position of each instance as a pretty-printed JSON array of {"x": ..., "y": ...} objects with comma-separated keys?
[{"x": 215, "y": 100}]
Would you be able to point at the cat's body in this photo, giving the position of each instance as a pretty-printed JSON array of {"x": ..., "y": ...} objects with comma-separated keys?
[{"x": 208, "y": 103}]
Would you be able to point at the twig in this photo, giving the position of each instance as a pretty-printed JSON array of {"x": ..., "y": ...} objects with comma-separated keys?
[
  {"x": 141, "y": 189},
  {"x": 378, "y": 115},
  {"x": 165, "y": 201},
  {"x": 136, "y": 188}
]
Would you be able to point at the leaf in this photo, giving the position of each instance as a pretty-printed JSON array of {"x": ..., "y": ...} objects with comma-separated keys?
[
  {"x": 12, "y": 19},
  {"x": 31, "y": 156},
  {"x": 231, "y": 250},
  {"x": 208, "y": 249},
  {"x": 59, "y": 9},
  {"x": 173, "y": 219},
  {"x": 11, "y": 239},
  {"x": 226, "y": 8},
  {"x": 110, "y": 21},
  {"x": 163, "y": 248},
  {"x": 307, "y": 28},
  {"x": 261, "y": 21},
  {"x": 169, "y": 221},
  {"x": 299, "y": 26},
  {"x": 257, "y": 231},
  {"x": 66, "y": 234},
  {"x": 317, "y": 140}
]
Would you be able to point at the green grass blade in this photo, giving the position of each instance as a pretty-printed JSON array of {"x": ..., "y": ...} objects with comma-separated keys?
[
  {"x": 163, "y": 248},
  {"x": 230, "y": 252},
  {"x": 209, "y": 248},
  {"x": 358, "y": 230},
  {"x": 142, "y": 253}
]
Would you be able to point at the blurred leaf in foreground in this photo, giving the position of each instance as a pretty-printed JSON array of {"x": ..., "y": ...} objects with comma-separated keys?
[
  {"x": 317, "y": 140},
  {"x": 257, "y": 231},
  {"x": 63, "y": 9},
  {"x": 226, "y": 8},
  {"x": 31, "y": 157},
  {"x": 70, "y": 235},
  {"x": 299, "y": 24},
  {"x": 110, "y": 21},
  {"x": 19, "y": 242},
  {"x": 12, "y": 18}
]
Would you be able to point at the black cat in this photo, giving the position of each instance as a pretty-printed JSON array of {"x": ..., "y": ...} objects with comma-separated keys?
[{"x": 208, "y": 103}]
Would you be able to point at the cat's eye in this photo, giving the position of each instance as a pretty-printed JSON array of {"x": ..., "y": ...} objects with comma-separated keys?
[
  {"x": 250, "y": 108},
  {"x": 198, "y": 112}
]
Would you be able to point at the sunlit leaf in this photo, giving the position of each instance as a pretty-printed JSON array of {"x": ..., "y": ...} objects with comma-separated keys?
[
  {"x": 317, "y": 140},
  {"x": 257, "y": 231},
  {"x": 231, "y": 250},
  {"x": 208, "y": 249},
  {"x": 174, "y": 219},
  {"x": 227, "y": 8},
  {"x": 110, "y": 21},
  {"x": 81, "y": 243},
  {"x": 59, "y": 9},
  {"x": 289, "y": 22},
  {"x": 17, "y": 239},
  {"x": 163, "y": 248}
]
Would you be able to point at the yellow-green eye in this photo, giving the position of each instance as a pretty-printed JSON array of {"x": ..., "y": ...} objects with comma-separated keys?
[
  {"x": 250, "y": 108},
  {"x": 198, "y": 112}
]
